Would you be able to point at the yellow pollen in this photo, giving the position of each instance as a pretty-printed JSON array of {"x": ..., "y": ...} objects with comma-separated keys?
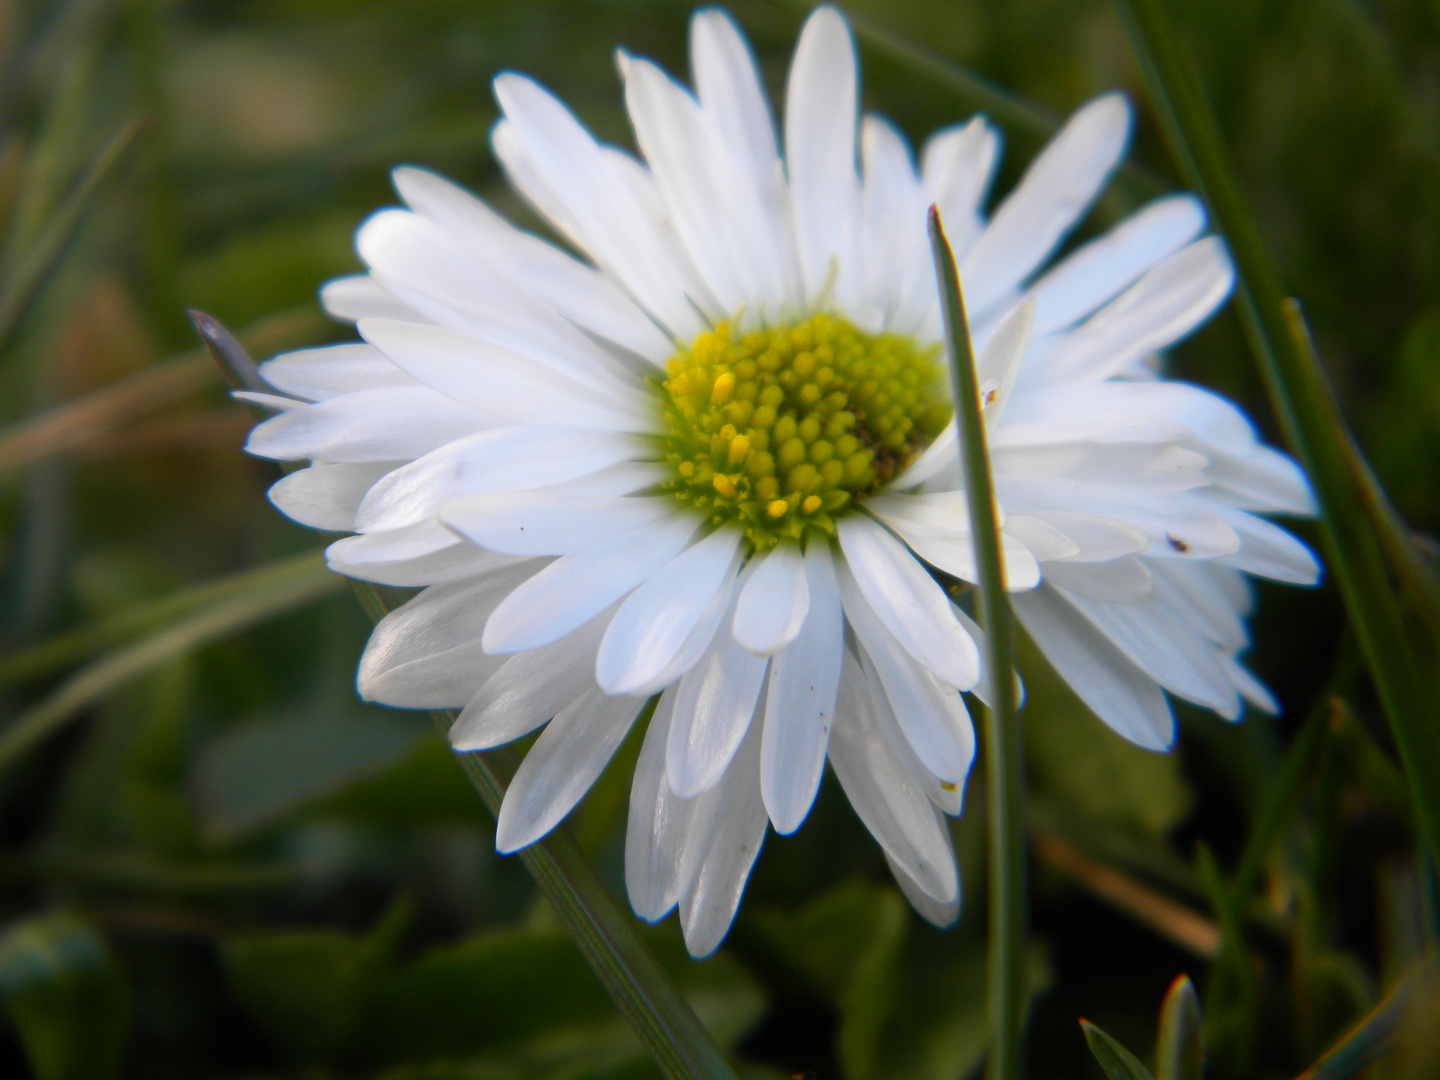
[
  {"x": 780, "y": 430},
  {"x": 724, "y": 386}
]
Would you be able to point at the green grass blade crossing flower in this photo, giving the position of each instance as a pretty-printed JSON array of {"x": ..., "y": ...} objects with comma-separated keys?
[
  {"x": 1306, "y": 408},
  {"x": 1007, "y": 992}
]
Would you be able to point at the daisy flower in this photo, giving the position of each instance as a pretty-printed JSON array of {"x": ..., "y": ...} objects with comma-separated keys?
[{"x": 706, "y": 452}]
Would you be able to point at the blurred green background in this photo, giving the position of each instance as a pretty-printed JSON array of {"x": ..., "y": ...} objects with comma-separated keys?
[{"x": 217, "y": 863}]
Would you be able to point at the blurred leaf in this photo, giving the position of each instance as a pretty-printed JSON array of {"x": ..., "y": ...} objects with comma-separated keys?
[
  {"x": 1085, "y": 774},
  {"x": 423, "y": 787},
  {"x": 307, "y": 989},
  {"x": 1180, "y": 1045},
  {"x": 848, "y": 944},
  {"x": 65, "y": 996},
  {"x": 527, "y": 998},
  {"x": 909, "y": 1004},
  {"x": 1118, "y": 1063},
  {"x": 254, "y": 774}
]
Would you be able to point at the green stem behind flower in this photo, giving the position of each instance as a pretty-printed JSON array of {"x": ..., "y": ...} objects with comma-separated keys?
[{"x": 1007, "y": 993}]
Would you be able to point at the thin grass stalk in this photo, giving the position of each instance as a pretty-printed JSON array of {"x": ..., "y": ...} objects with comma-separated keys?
[
  {"x": 1006, "y": 993},
  {"x": 35, "y": 266},
  {"x": 92, "y": 683},
  {"x": 59, "y": 652},
  {"x": 605, "y": 934},
  {"x": 1305, "y": 406}
]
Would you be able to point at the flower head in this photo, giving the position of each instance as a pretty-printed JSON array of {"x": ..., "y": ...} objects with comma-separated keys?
[{"x": 709, "y": 455}]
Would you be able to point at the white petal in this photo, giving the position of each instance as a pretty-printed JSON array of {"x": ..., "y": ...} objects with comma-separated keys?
[
  {"x": 937, "y": 529},
  {"x": 574, "y": 589},
  {"x": 383, "y": 424},
  {"x": 359, "y": 297},
  {"x": 1166, "y": 647},
  {"x": 931, "y": 910},
  {"x": 490, "y": 376},
  {"x": 530, "y": 688},
  {"x": 505, "y": 459},
  {"x": 931, "y": 715},
  {"x": 1181, "y": 526},
  {"x": 1269, "y": 551},
  {"x": 319, "y": 374},
  {"x": 579, "y": 292},
  {"x": 1117, "y": 691},
  {"x": 652, "y": 625},
  {"x": 888, "y": 799},
  {"x": 820, "y": 127},
  {"x": 726, "y": 832},
  {"x": 1045, "y": 542},
  {"x": 472, "y": 291},
  {"x": 1092, "y": 274},
  {"x": 1265, "y": 481},
  {"x": 658, "y": 824},
  {"x": 570, "y": 753},
  {"x": 999, "y": 359},
  {"x": 1251, "y": 688},
  {"x": 1161, "y": 308},
  {"x": 1119, "y": 581},
  {"x": 1049, "y": 201},
  {"x": 729, "y": 89},
  {"x": 716, "y": 210},
  {"x": 537, "y": 523},
  {"x": 712, "y": 714},
  {"x": 773, "y": 602},
  {"x": 1097, "y": 538},
  {"x": 586, "y": 191},
  {"x": 327, "y": 496},
  {"x": 957, "y": 166},
  {"x": 894, "y": 242},
  {"x": 908, "y": 602},
  {"x": 1196, "y": 590},
  {"x": 425, "y": 654},
  {"x": 415, "y": 557},
  {"x": 800, "y": 702}
]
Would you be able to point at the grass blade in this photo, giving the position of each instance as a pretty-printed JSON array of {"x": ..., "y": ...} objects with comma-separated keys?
[
  {"x": 303, "y": 583},
  {"x": 1305, "y": 407},
  {"x": 1376, "y": 1032},
  {"x": 605, "y": 934},
  {"x": 1180, "y": 1047},
  {"x": 1170, "y": 919},
  {"x": 1118, "y": 1062},
  {"x": 32, "y": 269},
  {"x": 1007, "y": 991},
  {"x": 61, "y": 651}
]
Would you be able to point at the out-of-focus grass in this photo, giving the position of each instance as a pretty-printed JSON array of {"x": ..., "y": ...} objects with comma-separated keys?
[{"x": 334, "y": 900}]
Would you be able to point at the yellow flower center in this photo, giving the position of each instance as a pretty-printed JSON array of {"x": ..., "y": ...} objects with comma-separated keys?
[{"x": 780, "y": 430}]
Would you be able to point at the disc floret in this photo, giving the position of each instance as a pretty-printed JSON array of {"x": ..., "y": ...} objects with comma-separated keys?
[{"x": 779, "y": 430}]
